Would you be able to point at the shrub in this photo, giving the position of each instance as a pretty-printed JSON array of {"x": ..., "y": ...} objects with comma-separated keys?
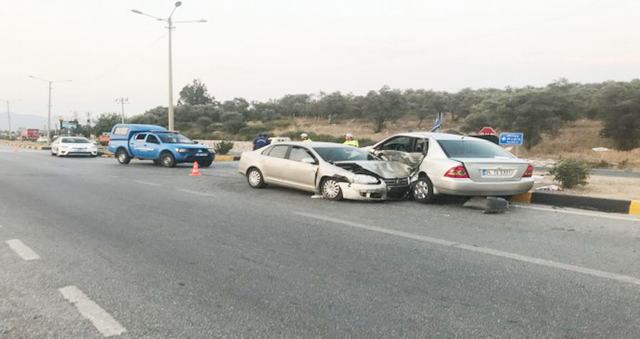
[
  {"x": 223, "y": 147},
  {"x": 570, "y": 173}
]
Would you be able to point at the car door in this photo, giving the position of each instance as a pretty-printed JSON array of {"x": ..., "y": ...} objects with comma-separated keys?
[
  {"x": 274, "y": 163},
  {"x": 395, "y": 148},
  {"x": 301, "y": 169},
  {"x": 137, "y": 145},
  {"x": 152, "y": 147}
]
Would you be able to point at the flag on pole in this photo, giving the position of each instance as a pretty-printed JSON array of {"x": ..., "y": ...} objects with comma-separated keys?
[{"x": 437, "y": 124}]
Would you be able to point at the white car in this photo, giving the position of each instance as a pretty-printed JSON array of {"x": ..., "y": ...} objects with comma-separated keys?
[
  {"x": 456, "y": 165},
  {"x": 65, "y": 146}
]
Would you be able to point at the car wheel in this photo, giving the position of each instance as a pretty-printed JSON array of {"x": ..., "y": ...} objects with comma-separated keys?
[
  {"x": 422, "y": 190},
  {"x": 157, "y": 162},
  {"x": 123, "y": 157},
  {"x": 205, "y": 163},
  {"x": 53, "y": 154},
  {"x": 255, "y": 178},
  {"x": 167, "y": 159},
  {"x": 331, "y": 190}
]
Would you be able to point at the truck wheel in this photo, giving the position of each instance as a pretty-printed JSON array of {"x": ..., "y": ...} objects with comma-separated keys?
[
  {"x": 205, "y": 163},
  {"x": 123, "y": 157},
  {"x": 422, "y": 190},
  {"x": 255, "y": 178},
  {"x": 330, "y": 189},
  {"x": 167, "y": 159}
]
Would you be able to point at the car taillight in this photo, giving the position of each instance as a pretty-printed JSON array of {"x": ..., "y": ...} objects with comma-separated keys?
[
  {"x": 529, "y": 172},
  {"x": 458, "y": 172}
]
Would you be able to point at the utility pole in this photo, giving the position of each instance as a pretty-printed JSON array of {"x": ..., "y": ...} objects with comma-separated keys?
[
  {"x": 122, "y": 101},
  {"x": 170, "y": 27},
  {"x": 9, "y": 118},
  {"x": 50, "y": 82}
]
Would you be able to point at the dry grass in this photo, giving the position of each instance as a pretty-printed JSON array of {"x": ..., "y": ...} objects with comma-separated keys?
[
  {"x": 577, "y": 140},
  {"x": 602, "y": 187}
]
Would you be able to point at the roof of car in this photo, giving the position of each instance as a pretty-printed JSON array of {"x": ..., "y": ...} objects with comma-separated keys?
[
  {"x": 312, "y": 144},
  {"x": 438, "y": 136}
]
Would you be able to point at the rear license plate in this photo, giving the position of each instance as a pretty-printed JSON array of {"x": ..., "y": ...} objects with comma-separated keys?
[
  {"x": 201, "y": 154},
  {"x": 497, "y": 172}
]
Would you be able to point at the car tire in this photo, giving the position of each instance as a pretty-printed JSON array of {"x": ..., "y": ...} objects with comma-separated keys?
[
  {"x": 53, "y": 154},
  {"x": 123, "y": 157},
  {"x": 167, "y": 159},
  {"x": 330, "y": 189},
  {"x": 157, "y": 162},
  {"x": 422, "y": 190},
  {"x": 205, "y": 163},
  {"x": 255, "y": 179}
]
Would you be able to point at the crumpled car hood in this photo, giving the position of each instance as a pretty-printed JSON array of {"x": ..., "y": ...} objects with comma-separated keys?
[{"x": 385, "y": 169}]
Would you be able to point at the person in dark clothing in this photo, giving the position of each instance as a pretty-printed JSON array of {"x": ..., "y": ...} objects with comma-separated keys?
[{"x": 260, "y": 141}]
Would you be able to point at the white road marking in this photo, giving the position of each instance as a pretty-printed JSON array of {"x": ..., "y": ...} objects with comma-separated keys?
[
  {"x": 22, "y": 250},
  {"x": 483, "y": 250},
  {"x": 197, "y": 193},
  {"x": 103, "y": 321},
  {"x": 147, "y": 183},
  {"x": 574, "y": 212}
]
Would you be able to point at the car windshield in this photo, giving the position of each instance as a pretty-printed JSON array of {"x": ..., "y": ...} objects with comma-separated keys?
[
  {"x": 174, "y": 138},
  {"x": 333, "y": 154},
  {"x": 75, "y": 141},
  {"x": 468, "y": 148}
]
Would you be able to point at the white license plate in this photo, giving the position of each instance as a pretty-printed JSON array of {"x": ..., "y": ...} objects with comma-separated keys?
[
  {"x": 201, "y": 154},
  {"x": 497, "y": 172}
]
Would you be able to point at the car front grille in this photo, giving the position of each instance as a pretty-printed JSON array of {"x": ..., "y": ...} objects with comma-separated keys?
[{"x": 397, "y": 182}]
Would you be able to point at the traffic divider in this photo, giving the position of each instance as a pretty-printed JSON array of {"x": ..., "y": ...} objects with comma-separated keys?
[{"x": 574, "y": 201}]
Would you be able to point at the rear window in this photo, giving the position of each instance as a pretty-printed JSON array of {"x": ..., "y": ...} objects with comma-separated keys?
[
  {"x": 468, "y": 148},
  {"x": 74, "y": 141}
]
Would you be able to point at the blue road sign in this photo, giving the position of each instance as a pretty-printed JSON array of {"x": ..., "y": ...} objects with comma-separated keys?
[{"x": 511, "y": 138}]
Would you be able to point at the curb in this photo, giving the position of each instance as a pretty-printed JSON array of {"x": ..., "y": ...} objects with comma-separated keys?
[
  {"x": 574, "y": 201},
  {"x": 27, "y": 146}
]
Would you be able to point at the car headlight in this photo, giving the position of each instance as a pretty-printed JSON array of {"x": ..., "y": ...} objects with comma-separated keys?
[
  {"x": 182, "y": 150},
  {"x": 365, "y": 179}
]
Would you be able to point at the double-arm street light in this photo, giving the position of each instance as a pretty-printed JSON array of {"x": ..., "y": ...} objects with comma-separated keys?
[
  {"x": 51, "y": 82},
  {"x": 170, "y": 26}
]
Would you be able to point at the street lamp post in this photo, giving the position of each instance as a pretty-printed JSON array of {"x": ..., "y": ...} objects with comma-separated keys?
[
  {"x": 50, "y": 82},
  {"x": 170, "y": 26},
  {"x": 122, "y": 101}
]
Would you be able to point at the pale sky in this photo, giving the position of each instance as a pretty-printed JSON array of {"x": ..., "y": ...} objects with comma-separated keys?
[{"x": 265, "y": 49}]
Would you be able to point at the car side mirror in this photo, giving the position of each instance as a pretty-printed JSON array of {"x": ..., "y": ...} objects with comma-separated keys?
[{"x": 310, "y": 161}]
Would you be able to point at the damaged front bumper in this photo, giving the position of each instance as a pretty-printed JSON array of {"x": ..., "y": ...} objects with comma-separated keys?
[{"x": 375, "y": 192}]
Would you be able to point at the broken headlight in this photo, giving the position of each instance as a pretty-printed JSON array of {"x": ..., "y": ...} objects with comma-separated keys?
[{"x": 364, "y": 179}]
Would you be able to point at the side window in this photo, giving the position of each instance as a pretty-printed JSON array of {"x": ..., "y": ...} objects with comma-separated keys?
[
  {"x": 278, "y": 151},
  {"x": 140, "y": 137},
  {"x": 152, "y": 139},
  {"x": 402, "y": 144},
  {"x": 421, "y": 146},
  {"x": 299, "y": 153}
]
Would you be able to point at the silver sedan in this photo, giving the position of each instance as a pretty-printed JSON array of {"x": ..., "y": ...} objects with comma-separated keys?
[
  {"x": 334, "y": 170},
  {"x": 457, "y": 165}
]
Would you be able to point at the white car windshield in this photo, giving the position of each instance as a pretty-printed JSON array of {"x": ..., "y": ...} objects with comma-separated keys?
[
  {"x": 75, "y": 141},
  {"x": 333, "y": 154},
  {"x": 469, "y": 148}
]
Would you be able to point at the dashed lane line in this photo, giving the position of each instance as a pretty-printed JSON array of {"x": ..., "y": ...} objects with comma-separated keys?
[
  {"x": 101, "y": 320},
  {"x": 483, "y": 250},
  {"x": 147, "y": 183},
  {"x": 22, "y": 250}
]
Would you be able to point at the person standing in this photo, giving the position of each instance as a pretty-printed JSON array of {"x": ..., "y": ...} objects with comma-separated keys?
[
  {"x": 349, "y": 140},
  {"x": 305, "y": 137},
  {"x": 260, "y": 141}
]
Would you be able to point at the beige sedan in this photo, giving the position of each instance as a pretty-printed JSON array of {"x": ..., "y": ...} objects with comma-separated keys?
[{"x": 334, "y": 170}]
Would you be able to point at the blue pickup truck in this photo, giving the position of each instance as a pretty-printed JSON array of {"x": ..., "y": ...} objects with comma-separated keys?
[{"x": 151, "y": 142}]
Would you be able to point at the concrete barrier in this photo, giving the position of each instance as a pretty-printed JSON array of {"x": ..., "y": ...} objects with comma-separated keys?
[{"x": 588, "y": 203}]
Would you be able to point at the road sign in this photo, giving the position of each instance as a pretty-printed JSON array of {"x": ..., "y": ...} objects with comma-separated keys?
[
  {"x": 68, "y": 124},
  {"x": 487, "y": 131},
  {"x": 508, "y": 138}
]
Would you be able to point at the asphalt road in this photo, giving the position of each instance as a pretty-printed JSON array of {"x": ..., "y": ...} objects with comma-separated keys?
[{"x": 90, "y": 248}]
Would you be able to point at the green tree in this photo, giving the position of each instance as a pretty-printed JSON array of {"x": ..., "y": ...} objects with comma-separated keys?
[
  {"x": 195, "y": 94},
  {"x": 106, "y": 122}
]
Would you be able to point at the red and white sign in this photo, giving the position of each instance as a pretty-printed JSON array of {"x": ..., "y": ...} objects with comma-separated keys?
[{"x": 487, "y": 131}]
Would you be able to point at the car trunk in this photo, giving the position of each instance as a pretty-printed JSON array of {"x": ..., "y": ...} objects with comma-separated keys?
[{"x": 494, "y": 169}]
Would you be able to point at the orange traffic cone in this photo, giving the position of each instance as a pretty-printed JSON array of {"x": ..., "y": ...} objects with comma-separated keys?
[{"x": 195, "y": 172}]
